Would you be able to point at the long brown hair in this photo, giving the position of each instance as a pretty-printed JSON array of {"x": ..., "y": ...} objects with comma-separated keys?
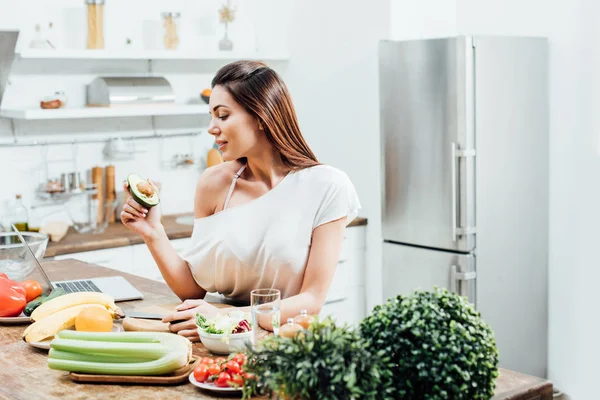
[{"x": 262, "y": 92}]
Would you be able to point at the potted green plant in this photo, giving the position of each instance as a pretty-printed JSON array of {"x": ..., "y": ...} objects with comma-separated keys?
[
  {"x": 323, "y": 362},
  {"x": 440, "y": 347}
]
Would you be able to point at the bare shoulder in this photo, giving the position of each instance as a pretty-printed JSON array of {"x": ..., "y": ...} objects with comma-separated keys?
[{"x": 212, "y": 186}]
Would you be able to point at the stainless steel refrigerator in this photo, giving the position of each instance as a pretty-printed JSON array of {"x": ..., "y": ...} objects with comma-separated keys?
[{"x": 464, "y": 125}]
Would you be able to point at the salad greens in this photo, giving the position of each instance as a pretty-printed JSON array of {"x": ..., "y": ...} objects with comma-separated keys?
[{"x": 231, "y": 323}]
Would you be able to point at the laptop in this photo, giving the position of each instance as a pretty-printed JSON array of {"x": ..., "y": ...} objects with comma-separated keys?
[{"x": 117, "y": 287}]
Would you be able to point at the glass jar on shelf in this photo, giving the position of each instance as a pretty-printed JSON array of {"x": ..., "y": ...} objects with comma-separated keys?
[
  {"x": 95, "y": 24},
  {"x": 171, "y": 38}
]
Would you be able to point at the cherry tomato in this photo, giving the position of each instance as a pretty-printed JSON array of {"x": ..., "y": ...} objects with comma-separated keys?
[
  {"x": 214, "y": 369},
  {"x": 220, "y": 360},
  {"x": 249, "y": 376},
  {"x": 236, "y": 381},
  {"x": 32, "y": 289},
  {"x": 201, "y": 372},
  {"x": 240, "y": 358},
  {"x": 232, "y": 367},
  {"x": 206, "y": 360},
  {"x": 3, "y": 276},
  {"x": 222, "y": 380}
]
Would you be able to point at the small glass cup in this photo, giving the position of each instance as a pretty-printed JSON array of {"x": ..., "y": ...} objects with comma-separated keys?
[{"x": 265, "y": 302}]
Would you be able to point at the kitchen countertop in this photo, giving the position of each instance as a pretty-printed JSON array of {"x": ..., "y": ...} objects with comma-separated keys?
[
  {"x": 31, "y": 378},
  {"x": 117, "y": 235}
]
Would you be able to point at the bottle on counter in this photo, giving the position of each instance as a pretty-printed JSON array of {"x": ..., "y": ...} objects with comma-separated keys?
[
  {"x": 304, "y": 320},
  {"x": 19, "y": 215},
  {"x": 290, "y": 329}
]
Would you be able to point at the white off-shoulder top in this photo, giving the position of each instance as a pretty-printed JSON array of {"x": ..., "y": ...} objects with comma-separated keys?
[{"x": 265, "y": 243}]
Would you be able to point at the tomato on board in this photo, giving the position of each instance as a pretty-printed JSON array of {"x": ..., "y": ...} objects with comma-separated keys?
[
  {"x": 220, "y": 360},
  {"x": 201, "y": 372},
  {"x": 222, "y": 380},
  {"x": 32, "y": 289},
  {"x": 206, "y": 360}
]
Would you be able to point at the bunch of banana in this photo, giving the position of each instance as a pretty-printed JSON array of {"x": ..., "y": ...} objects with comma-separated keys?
[{"x": 61, "y": 312}]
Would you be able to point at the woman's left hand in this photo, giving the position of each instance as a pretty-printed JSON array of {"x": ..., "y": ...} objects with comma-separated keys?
[{"x": 183, "y": 321}]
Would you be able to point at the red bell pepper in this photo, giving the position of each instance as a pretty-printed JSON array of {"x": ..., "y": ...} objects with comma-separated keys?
[{"x": 12, "y": 297}]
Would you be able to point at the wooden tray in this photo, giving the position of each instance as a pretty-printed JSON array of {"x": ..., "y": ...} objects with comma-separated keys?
[{"x": 176, "y": 377}]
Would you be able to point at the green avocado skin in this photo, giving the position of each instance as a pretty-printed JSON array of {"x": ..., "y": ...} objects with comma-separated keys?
[{"x": 132, "y": 181}]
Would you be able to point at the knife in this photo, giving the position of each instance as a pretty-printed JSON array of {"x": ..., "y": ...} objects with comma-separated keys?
[{"x": 145, "y": 315}]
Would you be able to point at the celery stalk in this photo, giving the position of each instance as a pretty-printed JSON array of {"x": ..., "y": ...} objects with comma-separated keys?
[
  {"x": 119, "y": 353},
  {"x": 151, "y": 351},
  {"x": 163, "y": 365},
  {"x": 103, "y": 358},
  {"x": 127, "y": 337}
]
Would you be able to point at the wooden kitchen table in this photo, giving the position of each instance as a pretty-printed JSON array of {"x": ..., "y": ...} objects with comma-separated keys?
[{"x": 24, "y": 373}]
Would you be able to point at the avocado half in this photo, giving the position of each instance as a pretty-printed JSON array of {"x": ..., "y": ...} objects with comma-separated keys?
[{"x": 138, "y": 194}]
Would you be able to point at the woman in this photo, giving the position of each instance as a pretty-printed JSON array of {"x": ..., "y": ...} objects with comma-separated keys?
[{"x": 269, "y": 217}]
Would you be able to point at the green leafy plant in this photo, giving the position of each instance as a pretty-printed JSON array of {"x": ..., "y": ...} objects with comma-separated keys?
[
  {"x": 440, "y": 347},
  {"x": 323, "y": 362}
]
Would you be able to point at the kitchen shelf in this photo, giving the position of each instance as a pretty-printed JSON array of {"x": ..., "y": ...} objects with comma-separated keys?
[
  {"x": 147, "y": 55},
  {"x": 105, "y": 112}
]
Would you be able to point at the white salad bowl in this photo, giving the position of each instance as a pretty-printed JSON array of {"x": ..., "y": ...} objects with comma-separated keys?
[{"x": 216, "y": 342}]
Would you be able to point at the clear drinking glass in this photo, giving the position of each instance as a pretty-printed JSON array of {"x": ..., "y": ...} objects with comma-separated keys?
[{"x": 265, "y": 302}]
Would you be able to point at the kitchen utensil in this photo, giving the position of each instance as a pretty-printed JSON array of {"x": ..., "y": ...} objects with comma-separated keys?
[
  {"x": 111, "y": 194},
  {"x": 144, "y": 315}
]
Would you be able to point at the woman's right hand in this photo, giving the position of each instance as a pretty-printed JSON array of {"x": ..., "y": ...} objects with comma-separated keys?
[{"x": 139, "y": 219}]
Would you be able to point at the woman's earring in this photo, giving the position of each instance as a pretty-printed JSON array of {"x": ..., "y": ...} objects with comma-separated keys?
[{"x": 260, "y": 125}]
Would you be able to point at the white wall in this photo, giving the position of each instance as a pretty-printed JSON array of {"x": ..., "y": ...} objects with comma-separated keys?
[
  {"x": 333, "y": 81},
  {"x": 574, "y": 218},
  {"x": 332, "y": 76}
]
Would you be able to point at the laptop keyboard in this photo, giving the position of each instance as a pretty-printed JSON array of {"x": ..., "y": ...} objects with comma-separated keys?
[{"x": 78, "y": 286}]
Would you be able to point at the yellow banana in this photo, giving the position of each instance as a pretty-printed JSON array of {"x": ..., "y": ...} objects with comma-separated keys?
[
  {"x": 74, "y": 299},
  {"x": 54, "y": 323}
]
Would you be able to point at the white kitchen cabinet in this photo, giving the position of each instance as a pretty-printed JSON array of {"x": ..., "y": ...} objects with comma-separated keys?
[
  {"x": 346, "y": 297},
  {"x": 144, "y": 264},
  {"x": 117, "y": 258}
]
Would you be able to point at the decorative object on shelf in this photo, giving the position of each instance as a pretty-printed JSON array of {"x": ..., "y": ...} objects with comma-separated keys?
[
  {"x": 108, "y": 91},
  {"x": 57, "y": 100},
  {"x": 206, "y": 95},
  {"x": 40, "y": 39},
  {"x": 95, "y": 24},
  {"x": 226, "y": 16},
  {"x": 111, "y": 194},
  {"x": 171, "y": 39}
]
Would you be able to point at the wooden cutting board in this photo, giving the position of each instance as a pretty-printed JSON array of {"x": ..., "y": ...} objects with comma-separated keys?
[
  {"x": 150, "y": 325},
  {"x": 176, "y": 377}
]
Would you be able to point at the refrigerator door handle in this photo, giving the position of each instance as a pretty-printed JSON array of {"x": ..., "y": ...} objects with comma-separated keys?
[
  {"x": 456, "y": 277},
  {"x": 456, "y": 154},
  {"x": 453, "y": 209}
]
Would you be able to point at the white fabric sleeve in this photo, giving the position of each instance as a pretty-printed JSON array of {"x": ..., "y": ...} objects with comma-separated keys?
[{"x": 339, "y": 200}]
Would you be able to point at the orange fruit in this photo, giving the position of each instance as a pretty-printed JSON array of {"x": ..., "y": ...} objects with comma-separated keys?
[
  {"x": 94, "y": 319},
  {"x": 206, "y": 92}
]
